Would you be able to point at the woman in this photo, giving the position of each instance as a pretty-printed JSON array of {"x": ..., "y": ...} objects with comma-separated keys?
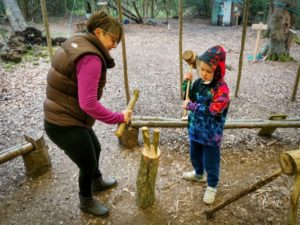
[{"x": 75, "y": 85}]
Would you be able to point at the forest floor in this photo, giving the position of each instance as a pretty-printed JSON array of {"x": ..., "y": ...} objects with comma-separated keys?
[{"x": 152, "y": 57}]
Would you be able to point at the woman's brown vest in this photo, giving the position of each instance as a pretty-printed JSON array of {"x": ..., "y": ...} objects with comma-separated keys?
[{"x": 61, "y": 106}]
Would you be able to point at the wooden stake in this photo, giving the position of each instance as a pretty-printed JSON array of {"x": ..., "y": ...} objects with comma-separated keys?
[
  {"x": 146, "y": 136},
  {"x": 156, "y": 133}
]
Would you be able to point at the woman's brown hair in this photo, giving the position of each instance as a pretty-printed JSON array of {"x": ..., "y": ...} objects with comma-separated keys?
[{"x": 105, "y": 22}]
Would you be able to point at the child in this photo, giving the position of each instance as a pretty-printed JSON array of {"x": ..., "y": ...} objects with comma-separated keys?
[{"x": 208, "y": 106}]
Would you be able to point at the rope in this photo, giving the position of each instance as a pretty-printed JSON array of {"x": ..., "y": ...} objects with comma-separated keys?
[{"x": 278, "y": 3}]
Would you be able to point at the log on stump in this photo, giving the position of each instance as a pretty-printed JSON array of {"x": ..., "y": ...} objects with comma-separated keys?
[{"x": 148, "y": 170}]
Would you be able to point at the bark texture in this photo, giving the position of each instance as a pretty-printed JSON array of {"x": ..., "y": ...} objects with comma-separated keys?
[{"x": 280, "y": 37}]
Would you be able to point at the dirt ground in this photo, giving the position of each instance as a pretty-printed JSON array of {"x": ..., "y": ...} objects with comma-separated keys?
[{"x": 152, "y": 56}]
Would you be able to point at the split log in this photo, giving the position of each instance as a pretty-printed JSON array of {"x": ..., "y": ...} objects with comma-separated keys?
[
  {"x": 210, "y": 212},
  {"x": 148, "y": 171}
]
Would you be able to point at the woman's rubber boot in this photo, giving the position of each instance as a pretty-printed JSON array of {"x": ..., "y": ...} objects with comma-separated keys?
[
  {"x": 92, "y": 206},
  {"x": 99, "y": 184}
]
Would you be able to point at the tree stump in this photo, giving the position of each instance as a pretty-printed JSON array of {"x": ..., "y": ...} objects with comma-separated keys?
[
  {"x": 148, "y": 170},
  {"x": 129, "y": 138}
]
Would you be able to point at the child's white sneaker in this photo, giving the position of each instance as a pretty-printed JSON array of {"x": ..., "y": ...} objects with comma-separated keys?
[
  {"x": 191, "y": 175},
  {"x": 210, "y": 195}
]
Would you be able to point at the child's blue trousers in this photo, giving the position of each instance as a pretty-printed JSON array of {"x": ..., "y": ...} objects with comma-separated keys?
[{"x": 206, "y": 158}]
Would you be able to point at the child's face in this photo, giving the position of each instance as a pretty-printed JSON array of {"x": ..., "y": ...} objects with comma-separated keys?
[{"x": 205, "y": 71}]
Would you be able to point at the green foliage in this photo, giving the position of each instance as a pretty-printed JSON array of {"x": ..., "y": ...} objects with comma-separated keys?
[
  {"x": 2, "y": 10},
  {"x": 258, "y": 11},
  {"x": 199, "y": 8},
  {"x": 31, "y": 10},
  {"x": 281, "y": 57},
  {"x": 296, "y": 39}
]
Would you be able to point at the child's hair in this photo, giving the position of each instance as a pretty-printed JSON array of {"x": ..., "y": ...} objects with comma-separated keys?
[{"x": 105, "y": 22}]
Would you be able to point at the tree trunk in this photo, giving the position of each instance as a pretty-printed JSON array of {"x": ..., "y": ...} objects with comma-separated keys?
[
  {"x": 280, "y": 37},
  {"x": 14, "y": 15}
]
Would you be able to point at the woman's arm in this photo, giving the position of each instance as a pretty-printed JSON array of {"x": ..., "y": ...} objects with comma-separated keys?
[{"x": 88, "y": 76}]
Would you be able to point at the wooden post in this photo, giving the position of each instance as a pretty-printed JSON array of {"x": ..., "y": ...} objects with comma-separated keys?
[
  {"x": 147, "y": 173},
  {"x": 245, "y": 22},
  {"x": 259, "y": 27},
  {"x": 124, "y": 53},
  {"x": 130, "y": 106},
  {"x": 180, "y": 46},
  {"x": 46, "y": 25},
  {"x": 296, "y": 85}
]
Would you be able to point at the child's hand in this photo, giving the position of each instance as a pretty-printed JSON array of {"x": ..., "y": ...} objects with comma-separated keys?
[
  {"x": 188, "y": 76},
  {"x": 127, "y": 115},
  {"x": 185, "y": 103}
]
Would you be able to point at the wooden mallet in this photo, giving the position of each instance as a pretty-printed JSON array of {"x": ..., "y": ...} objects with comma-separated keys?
[
  {"x": 190, "y": 57},
  {"x": 130, "y": 106}
]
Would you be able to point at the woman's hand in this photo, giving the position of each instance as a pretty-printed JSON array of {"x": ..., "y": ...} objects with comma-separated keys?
[
  {"x": 185, "y": 103},
  {"x": 188, "y": 76},
  {"x": 127, "y": 115}
]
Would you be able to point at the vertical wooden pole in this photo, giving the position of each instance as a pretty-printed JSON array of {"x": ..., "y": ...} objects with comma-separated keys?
[
  {"x": 46, "y": 25},
  {"x": 296, "y": 85},
  {"x": 292, "y": 219},
  {"x": 245, "y": 22},
  {"x": 180, "y": 46},
  {"x": 124, "y": 53}
]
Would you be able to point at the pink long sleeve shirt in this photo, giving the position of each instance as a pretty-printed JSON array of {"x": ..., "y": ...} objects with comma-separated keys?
[{"x": 88, "y": 76}]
